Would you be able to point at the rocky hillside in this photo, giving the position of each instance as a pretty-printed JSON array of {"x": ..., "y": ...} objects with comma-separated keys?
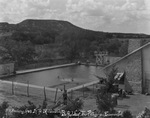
[
  {"x": 72, "y": 41},
  {"x": 58, "y": 28}
]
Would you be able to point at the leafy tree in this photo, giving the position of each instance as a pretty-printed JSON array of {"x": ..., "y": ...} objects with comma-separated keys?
[
  {"x": 111, "y": 79},
  {"x": 69, "y": 50},
  {"x": 70, "y": 46},
  {"x": 113, "y": 46},
  {"x": 20, "y": 52},
  {"x": 103, "y": 96},
  {"x": 104, "y": 101}
]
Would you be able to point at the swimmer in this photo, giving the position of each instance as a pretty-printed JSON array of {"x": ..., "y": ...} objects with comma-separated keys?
[
  {"x": 58, "y": 77},
  {"x": 72, "y": 80}
]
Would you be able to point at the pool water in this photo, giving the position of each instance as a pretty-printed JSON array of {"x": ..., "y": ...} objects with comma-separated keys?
[{"x": 48, "y": 78}]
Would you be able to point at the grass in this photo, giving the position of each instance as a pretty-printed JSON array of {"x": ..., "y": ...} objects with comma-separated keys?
[{"x": 135, "y": 103}]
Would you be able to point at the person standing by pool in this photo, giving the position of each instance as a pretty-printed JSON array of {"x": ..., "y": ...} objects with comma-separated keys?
[{"x": 65, "y": 97}]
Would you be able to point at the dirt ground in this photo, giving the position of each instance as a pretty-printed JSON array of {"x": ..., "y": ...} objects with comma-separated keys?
[
  {"x": 19, "y": 98},
  {"x": 135, "y": 103}
]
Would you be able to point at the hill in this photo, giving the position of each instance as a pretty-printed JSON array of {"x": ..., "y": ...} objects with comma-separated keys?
[
  {"x": 67, "y": 39},
  {"x": 58, "y": 28}
]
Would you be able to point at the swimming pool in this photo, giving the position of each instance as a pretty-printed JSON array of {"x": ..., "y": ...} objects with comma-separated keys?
[{"x": 51, "y": 78}]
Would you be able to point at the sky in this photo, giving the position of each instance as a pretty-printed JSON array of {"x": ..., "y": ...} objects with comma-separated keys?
[{"x": 127, "y": 16}]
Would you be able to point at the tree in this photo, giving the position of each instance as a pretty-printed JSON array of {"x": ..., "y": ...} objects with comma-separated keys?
[
  {"x": 113, "y": 46},
  {"x": 104, "y": 95},
  {"x": 111, "y": 79},
  {"x": 70, "y": 46},
  {"x": 20, "y": 52},
  {"x": 104, "y": 101}
]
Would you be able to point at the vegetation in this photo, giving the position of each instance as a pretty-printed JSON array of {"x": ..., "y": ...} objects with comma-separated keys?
[
  {"x": 127, "y": 114},
  {"x": 104, "y": 102},
  {"x": 17, "y": 51},
  {"x": 3, "y": 108},
  {"x": 109, "y": 87},
  {"x": 31, "y": 111},
  {"x": 104, "y": 95},
  {"x": 111, "y": 79},
  {"x": 74, "y": 104},
  {"x": 75, "y": 42}
]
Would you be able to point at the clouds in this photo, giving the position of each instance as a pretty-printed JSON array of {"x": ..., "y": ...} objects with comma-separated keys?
[
  {"x": 18, "y": 10},
  {"x": 107, "y": 15},
  {"x": 110, "y": 15}
]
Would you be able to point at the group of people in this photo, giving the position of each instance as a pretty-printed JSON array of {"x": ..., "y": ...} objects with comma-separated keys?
[{"x": 67, "y": 79}]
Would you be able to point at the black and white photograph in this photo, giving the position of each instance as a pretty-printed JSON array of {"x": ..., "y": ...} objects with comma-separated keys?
[{"x": 74, "y": 58}]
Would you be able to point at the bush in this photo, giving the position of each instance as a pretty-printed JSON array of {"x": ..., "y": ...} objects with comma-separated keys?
[
  {"x": 104, "y": 102},
  {"x": 74, "y": 105},
  {"x": 3, "y": 108},
  {"x": 127, "y": 114},
  {"x": 30, "y": 107}
]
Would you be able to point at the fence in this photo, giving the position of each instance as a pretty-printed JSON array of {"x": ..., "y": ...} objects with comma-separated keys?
[
  {"x": 83, "y": 91},
  {"x": 20, "y": 93}
]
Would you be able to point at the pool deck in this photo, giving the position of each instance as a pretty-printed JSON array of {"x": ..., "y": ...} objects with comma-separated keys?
[{"x": 42, "y": 69}]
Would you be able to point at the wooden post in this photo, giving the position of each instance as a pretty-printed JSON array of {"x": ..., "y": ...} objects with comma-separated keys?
[
  {"x": 28, "y": 88},
  {"x": 71, "y": 94},
  {"x": 83, "y": 90},
  {"x": 55, "y": 95},
  {"x": 44, "y": 94},
  {"x": 64, "y": 87},
  {"x": 93, "y": 88},
  {"x": 12, "y": 87}
]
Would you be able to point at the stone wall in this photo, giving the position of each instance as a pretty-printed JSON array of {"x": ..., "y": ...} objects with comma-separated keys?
[
  {"x": 131, "y": 64},
  {"x": 112, "y": 59},
  {"x": 134, "y": 44}
]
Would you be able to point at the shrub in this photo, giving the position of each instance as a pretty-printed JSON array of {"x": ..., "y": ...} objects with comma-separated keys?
[
  {"x": 127, "y": 114},
  {"x": 74, "y": 105},
  {"x": 104, "y": 102},
  {"x": 3, "y": 108}
]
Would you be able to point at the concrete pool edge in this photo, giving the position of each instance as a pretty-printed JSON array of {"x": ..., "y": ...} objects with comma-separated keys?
[{"x": 44, "y": 68}]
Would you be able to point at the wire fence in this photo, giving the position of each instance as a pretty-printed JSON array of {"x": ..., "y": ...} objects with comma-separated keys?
[
  {"x": 26, "y": 92},
  {"x": 14, "y": 92},
  {"x": 83, "y": 92}
]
